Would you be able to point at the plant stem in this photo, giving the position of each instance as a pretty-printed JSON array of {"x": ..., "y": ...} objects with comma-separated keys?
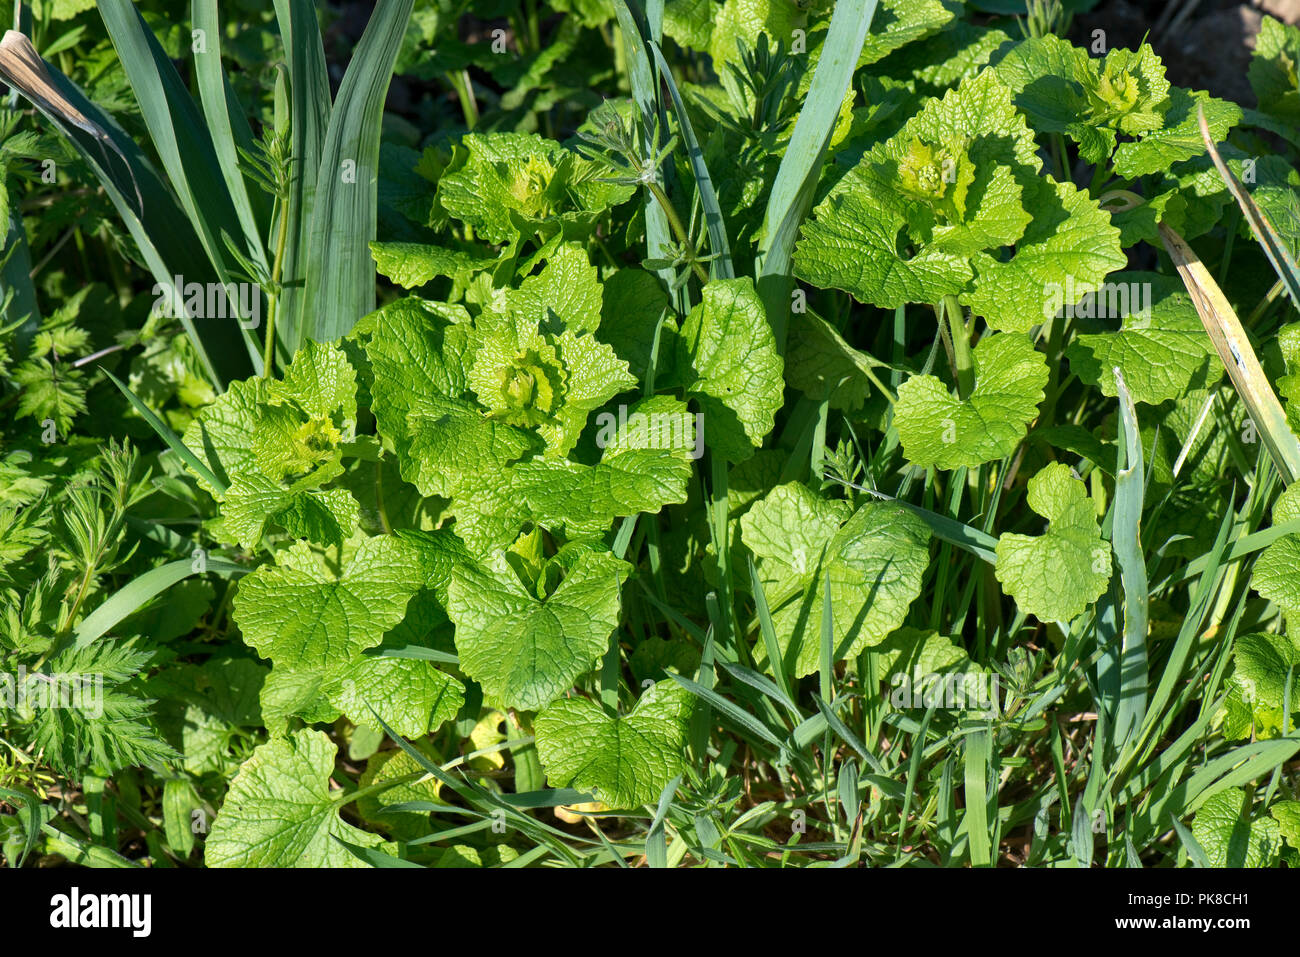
[
  {"x": 464, "y": 88},
  {"x": 679, "y": 228},
  {"x": 273, "y": 298},
  {"x": 961, "y": 350}
]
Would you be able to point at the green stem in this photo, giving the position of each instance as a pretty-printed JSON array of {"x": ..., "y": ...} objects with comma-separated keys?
[
  {"x": 273, "y": 298},
  {"x": 461, "y": 83},
  {"x": 678, "y": 227},
  {"x": 961, "y": 350}
]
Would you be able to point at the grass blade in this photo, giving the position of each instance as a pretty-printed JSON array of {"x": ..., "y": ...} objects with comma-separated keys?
[
  {"x": 340, "y": 273},
  {"x": 722, "y": 267},
  {"x": 1275, "y": 249},
  {"x": 796, "y": 180},
  {"x": 226, "y": 122},
  {"x": 131, "y": 597},
  {"x": 1238, "y": 357},
  {"x": 1126, "y": 541},
  {"x": 179, "y": 133},
  {"x": 309, "y": 107},
  {"x": 976, "y": 817},
  {"x": 147, "y": 206},
  {"x": 168, "y": 436}
]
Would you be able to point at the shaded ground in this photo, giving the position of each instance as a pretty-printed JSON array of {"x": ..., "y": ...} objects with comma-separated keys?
[{"x": 1205, "y": 44}]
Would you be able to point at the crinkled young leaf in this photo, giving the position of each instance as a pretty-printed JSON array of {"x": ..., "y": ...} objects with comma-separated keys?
[
  {"x": 1287, "y": 815},
  {"x": 1161, "y": 347},
  {"x": 936, "y": 428},
  {"x": 452, "y": 446},
  {"x": 416, "y": 350},
  {"x": 547, "y": 381},
  {"x": 744, "y": 20},
  {"x": 527, "y": 651},
  {"x": 320, "y": 381},
  {"x": 1230, "y": 840},
  {"x": 641, "y": 470},
  {"x": 1180, "y": 137},
  {"x": 1055, "y": 576},
  {"x": 625, "y": 761},
  {"x": 949, "y": 184},
  {"x": 411, "y": 265},
  {"x": 514, "y": 180},
  {"x": 297, "y": 614},
  {"x": 1070, "y": 235},
  {"x": 874, "y": 558},
  {"x": 411, "y": 695},
  {"x": 854, "y": 242},
  {"x": 325, "y": 517},
  {"x": 221, "y": 435},
  {"x": 633, "y": 303},
  {"x": 1272, "y": 70},
  {"x": 932, "y": 212},
  {"x": 568, "y": 289},
  {"x": 899, "y": 22},
  {"x": 280, "y": 811},
  {"x": 821, "y": 363},
  {"x": 727, "y": 359}
]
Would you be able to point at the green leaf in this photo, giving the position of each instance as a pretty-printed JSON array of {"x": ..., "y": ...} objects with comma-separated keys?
[
  {"x": 1231, "y": 840},
  {"x": 1262, "y": 664},
  {"x": 624, "y": 762},
  {"x": 727, "y": 359},
  {"x": 900, "y": 22},
  {"x": 410, "y": 694},
  {"x": 874, "y": 559},
  {"x": 1070, "y": 236},
  {"x": 739, "y": 20},
  {"x": 567, "y": 293},
  {"x": 527, "y": 650},
  {"x": 1180, "y": 137},
  {"x": 280, "y": 811},
  {"x": 544, "y": 376},
  {"x": 1276, "y": 575},
  {"x": 938, "y": 429},
  {"x": 299, "y": 613},
  {"x": 1055, "y": 576},
  {"x": 1287, "y": 815},
  {"x": 324, "y": 517},
  {"x": 1161, "y": 348},
  {"x": 1272, "y": 71},
  {"x": 414, "y": 264},
  {"x": 514, "y": 180},
  {"x": 822, "y": 364}
]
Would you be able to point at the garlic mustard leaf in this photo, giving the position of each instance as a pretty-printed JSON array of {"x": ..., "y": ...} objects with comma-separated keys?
[
  {"x": 624, "y": 761},
  {"x": 937, "y": 428},
  {"x": 1055, "y": 576}
]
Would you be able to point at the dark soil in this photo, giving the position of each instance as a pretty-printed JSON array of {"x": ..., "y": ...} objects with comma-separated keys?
[{"x": 1208, "y": 47}]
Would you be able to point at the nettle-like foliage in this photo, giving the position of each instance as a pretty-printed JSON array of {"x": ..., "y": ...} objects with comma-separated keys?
[
  {"x": 476, "y": 502},
  {"x": 447, "y": 496}
]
